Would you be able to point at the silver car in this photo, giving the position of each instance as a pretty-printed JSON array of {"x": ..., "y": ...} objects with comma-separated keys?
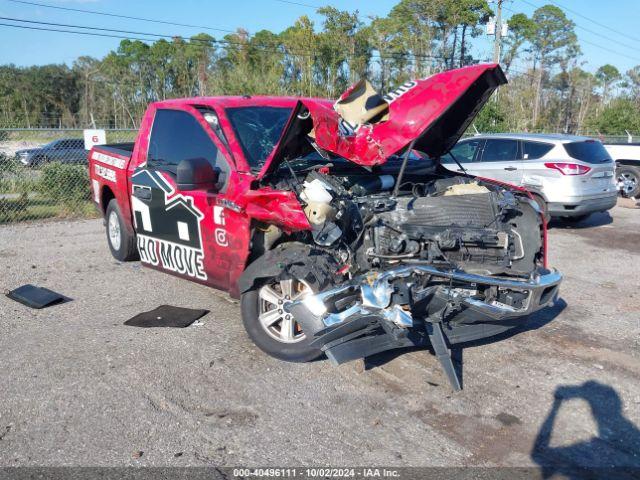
[{"x": 570, "y": 176}]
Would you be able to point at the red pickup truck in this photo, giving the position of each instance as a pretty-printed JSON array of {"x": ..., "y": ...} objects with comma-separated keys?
[{"x": 334, "y": 223}]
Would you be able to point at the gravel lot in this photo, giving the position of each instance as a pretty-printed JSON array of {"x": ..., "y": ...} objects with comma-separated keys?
[{"x": 77, "y": 387}]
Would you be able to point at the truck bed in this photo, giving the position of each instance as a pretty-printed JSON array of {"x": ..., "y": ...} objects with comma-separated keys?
[
  {"x": 108, "y": 172},
  {"x": 124, "y": 149}
]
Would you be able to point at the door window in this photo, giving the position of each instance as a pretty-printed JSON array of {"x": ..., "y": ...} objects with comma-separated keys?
[
  {"x": 534, "y": 150},
  {"x": 464, "y": 152},
  {"x": 500, "y": 150},
  {"x": 176, "y": 136}
]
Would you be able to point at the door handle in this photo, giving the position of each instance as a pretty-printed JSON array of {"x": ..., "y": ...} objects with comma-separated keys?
[
  {"x": 510, "y": 169},
  {"x": 143, "y": 193}
]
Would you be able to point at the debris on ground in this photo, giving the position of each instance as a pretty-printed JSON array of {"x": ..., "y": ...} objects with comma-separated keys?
[{"x": 166, "y": 316}]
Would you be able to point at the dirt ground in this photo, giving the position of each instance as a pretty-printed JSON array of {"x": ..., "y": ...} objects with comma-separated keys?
[{"x": 77, "y": 387}]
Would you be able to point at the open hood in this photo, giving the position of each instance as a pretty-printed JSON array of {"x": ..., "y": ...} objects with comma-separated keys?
[{"x": 368, "y": 128}]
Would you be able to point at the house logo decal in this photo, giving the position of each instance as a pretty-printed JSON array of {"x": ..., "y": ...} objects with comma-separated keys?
[{"x": 167, "y": 226}]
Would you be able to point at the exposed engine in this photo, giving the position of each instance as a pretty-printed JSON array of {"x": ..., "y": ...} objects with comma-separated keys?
[{"x": 452, "y": 221}]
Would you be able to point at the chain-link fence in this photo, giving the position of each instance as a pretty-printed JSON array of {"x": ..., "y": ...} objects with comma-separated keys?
[{"x": 44, "y": 174}]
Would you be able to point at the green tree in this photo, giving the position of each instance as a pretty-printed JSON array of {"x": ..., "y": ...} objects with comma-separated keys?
[
  {"x": 607, "y": 75},
  {"x": 343, "y": 56},
  {"x": 619, "y": 115},
  {"x": 554, "y": 40},
  {"x": 301, "y": 46},
  {"x": 631, "y": 82},
  {"x": 491, "y": 119},
  {"x": 466, "y": 16},
  {"x": 521, "y": 30},
  {"x": 383, "y": 38}
]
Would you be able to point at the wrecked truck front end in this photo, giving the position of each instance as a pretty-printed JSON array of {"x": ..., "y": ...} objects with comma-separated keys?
[{"x": 423, "y": 256}]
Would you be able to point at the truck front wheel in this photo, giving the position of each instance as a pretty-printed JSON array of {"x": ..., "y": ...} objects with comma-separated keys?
[
  {"x": 267, "y": 323},
  {"x": 122, "y": 243}
]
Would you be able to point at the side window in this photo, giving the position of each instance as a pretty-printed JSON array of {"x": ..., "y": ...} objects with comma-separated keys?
[
  {"x": 176, "y": 136},
  {"x": 464, "y": 152},
  {"x": 499, "y": 150},
  {"x": 533, "y": 150}
]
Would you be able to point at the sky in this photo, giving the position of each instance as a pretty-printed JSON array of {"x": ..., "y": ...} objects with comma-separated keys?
[{"x": 608, "y": 31}]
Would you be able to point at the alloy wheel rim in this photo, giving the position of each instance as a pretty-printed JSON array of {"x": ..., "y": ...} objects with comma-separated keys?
[
  {"x": 279, "y": 324},
  {"x": 629, "y": 182},
  {"x": 114, "y": 231}
]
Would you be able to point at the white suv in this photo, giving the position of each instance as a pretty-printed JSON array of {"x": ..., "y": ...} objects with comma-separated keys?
[{"x": 570, "y": 176}]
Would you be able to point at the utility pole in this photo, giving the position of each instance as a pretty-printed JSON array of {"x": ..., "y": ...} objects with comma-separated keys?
[{"x": 497, "y": 44}]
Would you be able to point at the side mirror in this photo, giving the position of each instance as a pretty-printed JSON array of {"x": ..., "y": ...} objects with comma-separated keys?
[{"x": 196, "y": 174}]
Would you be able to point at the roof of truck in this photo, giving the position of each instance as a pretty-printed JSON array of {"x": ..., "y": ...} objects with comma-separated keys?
[{"x": 239, "y": 101}]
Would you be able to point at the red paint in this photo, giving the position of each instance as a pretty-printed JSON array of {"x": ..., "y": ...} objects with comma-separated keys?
[
  {"x": 225, "y": 255},
  {"x": 410, "y": 116},
  {"x": 223, "y": 265}
]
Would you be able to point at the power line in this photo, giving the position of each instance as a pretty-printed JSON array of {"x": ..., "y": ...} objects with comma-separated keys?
[
  {"x": 91, "y": 34},
  {"x": 113, "y": 34},
  {"x": 637, "y": 59},
  {"x": 599, "y": 34},
  {"x": 89, "y": 27},
  {"x": 315, "y": 7},
  {"x": 299, "y": 4},
  {"x": 107, "y": 14},
  {"x": 594, "y": 21},
  {"x": 631, "y": 47},
  {"x": 86, "y": 27}
]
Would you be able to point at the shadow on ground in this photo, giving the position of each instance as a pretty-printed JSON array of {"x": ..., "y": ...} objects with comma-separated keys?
[
  {"x": 594, "y": 220},
  {"x": 613, "y": 453}
]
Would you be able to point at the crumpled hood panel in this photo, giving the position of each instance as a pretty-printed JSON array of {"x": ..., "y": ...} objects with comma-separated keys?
[{"x": 434, "y": 112}]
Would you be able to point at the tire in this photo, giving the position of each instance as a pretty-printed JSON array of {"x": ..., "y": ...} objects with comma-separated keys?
[
  {"x": 122, "y": 243},
  {"x": 543, "y": 206},
  {"x": 631, "y": 176},
  {"x": 303, "y": 267}
]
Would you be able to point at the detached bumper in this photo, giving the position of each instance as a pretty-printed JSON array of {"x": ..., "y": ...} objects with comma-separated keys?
[{"x": 386, "y": 310}]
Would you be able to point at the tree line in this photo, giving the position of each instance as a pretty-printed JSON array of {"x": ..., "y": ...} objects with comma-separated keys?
[{"x": 548, "y": 91}]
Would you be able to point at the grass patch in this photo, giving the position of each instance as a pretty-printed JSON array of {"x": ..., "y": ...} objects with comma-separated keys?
[
  {"x": 18, "y": 184},
  {"x": 24, "y": 208}
]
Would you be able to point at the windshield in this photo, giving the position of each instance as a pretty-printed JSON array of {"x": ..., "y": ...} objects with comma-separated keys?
[
  {"x": 258, "y": 129},
  {"x": 590, "y": 151}
]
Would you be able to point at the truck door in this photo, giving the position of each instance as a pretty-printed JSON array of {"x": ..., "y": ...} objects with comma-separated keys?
[{"x": 174, "y": 228}]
